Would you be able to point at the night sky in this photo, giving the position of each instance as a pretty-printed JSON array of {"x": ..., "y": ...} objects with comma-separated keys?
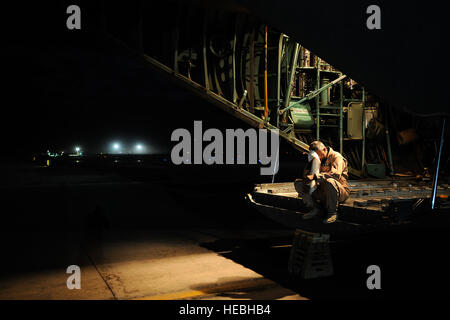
[{"x": 67, "y": 88}]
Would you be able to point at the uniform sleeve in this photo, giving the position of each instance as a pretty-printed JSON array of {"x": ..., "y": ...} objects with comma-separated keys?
[
  {"x": 314, "y": 170},
  {"x": 337, "y": 168}
]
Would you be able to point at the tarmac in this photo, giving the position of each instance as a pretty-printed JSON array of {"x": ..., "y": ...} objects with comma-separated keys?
[{"x": 174, "y": 237}]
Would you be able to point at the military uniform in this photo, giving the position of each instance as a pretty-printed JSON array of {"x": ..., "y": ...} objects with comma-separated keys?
[{"x": 332, "y": 183}]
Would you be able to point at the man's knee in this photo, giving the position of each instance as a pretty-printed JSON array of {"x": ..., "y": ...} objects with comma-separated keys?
[
  {"x": 300, "y": 186},
  {"x": 330, "y": 185},
  {"x": 335, "y": 187}
]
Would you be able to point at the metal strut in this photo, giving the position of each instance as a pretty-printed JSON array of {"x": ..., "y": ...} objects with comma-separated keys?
[{"x": 314, "y": 93}]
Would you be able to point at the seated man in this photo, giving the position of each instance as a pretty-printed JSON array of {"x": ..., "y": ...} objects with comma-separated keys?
[{"x": 331, "y": 185}]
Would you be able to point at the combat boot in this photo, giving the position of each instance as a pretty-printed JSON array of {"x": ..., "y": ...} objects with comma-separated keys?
[{"x": 330, "y": 218}]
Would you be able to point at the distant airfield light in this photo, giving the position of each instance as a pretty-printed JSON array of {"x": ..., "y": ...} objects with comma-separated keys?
[
  {"x": 140, "y": 148},
  {"x": 78, "y": 151},
  {"x": 116, "y": 147}
]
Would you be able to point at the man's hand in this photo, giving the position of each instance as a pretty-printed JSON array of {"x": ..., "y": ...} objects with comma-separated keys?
[{"x": 309, "y": 177}]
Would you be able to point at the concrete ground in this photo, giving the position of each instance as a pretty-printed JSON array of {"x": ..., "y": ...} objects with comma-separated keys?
[
  {"x": 132, "y": 239},
  {"x": 156, "y": 265},
  {"x": 142, "y": 235}
]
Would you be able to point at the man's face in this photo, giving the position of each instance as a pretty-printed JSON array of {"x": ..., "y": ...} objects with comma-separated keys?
[{"x": 322, "y": 153}]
